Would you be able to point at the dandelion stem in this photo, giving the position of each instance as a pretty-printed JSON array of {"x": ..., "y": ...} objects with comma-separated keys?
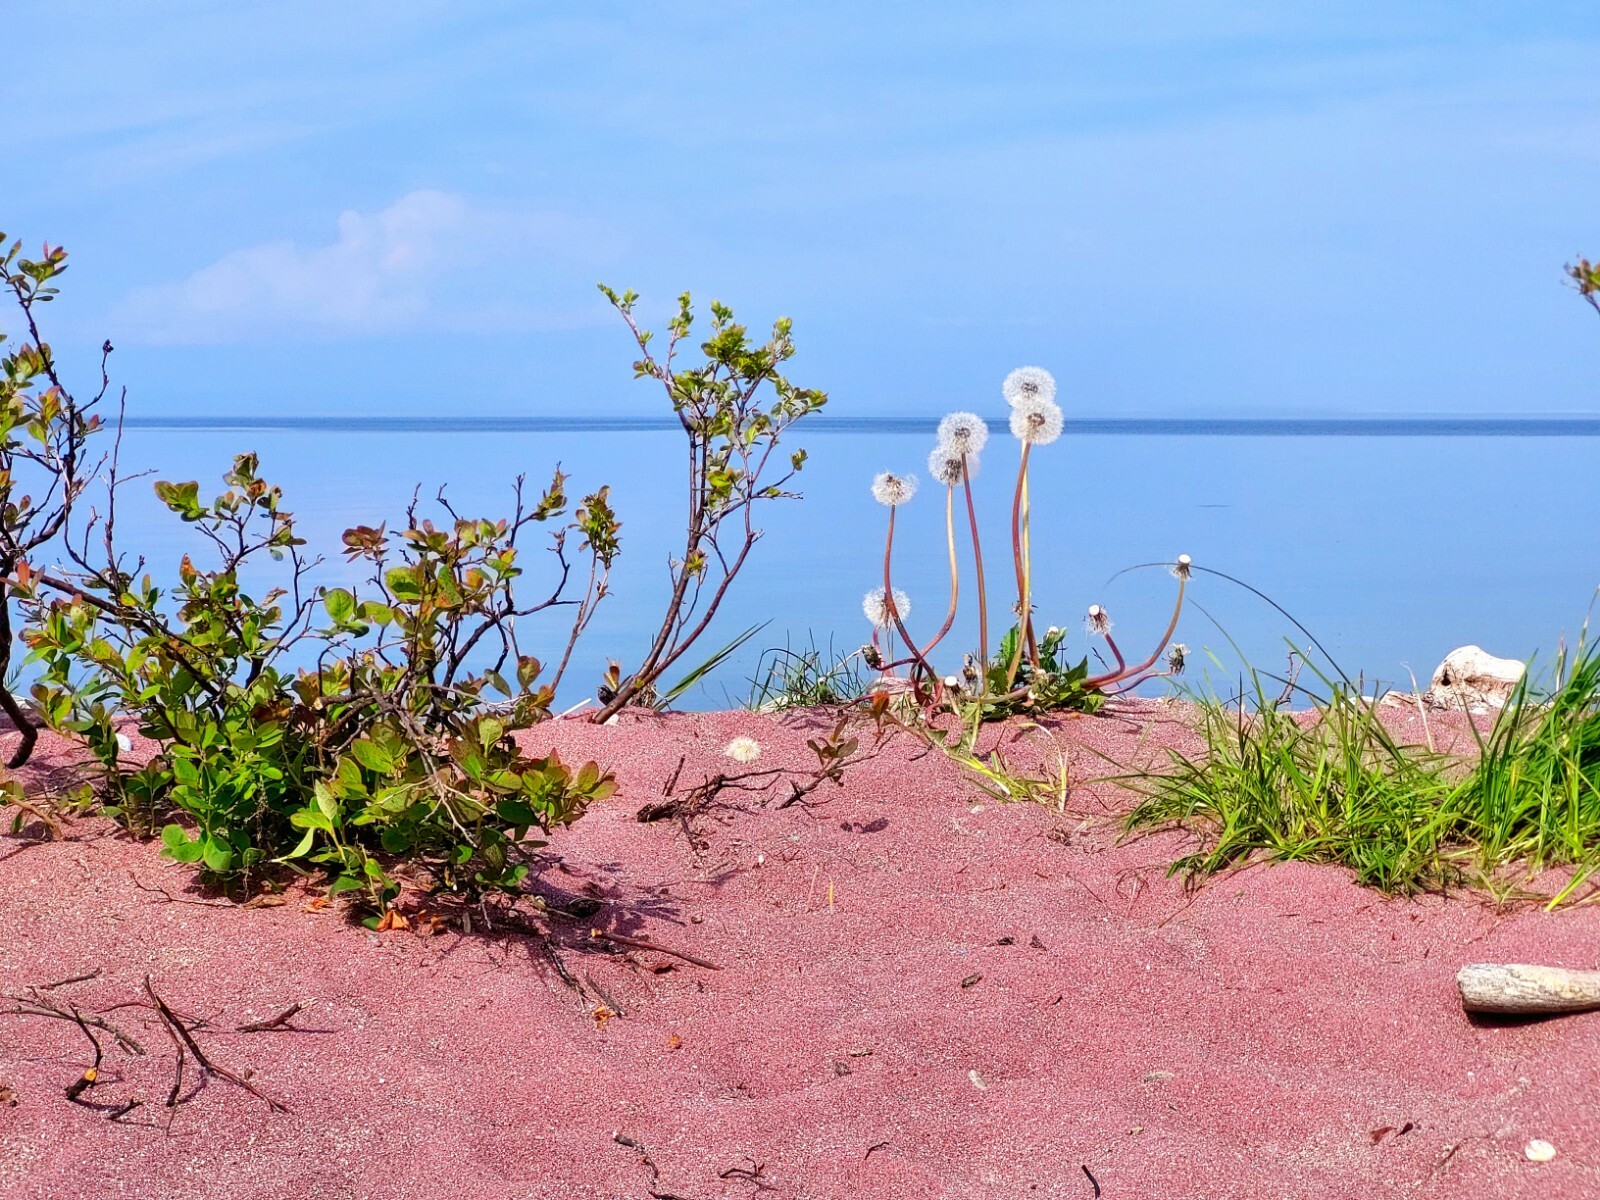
[
  {"x": 1017, "y": 554},
  {"x": 955, "y": 578},
  {"x": 977, "y": 560},
  {"x": 1122, "y": 672},
  {"x": 892, "y": 608}
]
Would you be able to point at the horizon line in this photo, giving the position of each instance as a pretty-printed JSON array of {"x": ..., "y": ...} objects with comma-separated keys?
[{"x": 1435, "y": 425}]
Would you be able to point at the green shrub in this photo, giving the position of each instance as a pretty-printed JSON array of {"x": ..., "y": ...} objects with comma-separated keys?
[{"x": 384, "y": 748}]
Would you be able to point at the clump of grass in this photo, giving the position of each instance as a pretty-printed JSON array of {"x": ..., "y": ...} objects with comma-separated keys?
[
  {"x": 1534, "y": 795},
  {"x": 787, "y": 677},
  {"x": 1333, "y": 785}
]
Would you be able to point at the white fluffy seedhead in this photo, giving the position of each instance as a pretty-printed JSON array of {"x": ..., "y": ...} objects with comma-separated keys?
[
  {"x": 1036, "y": 422},
  {"x": 891, "y": 489},
  {"x": 1029, "y": 383},
  {"x": 1098, "y": 620},
  {"x": 878, "y": 612},
  {"x": 950, "y": 467},
  {"x": 964, "y": 432},
  {"x": 743, "y": 749}
]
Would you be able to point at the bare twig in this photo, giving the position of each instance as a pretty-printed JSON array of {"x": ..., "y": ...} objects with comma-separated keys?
[{"x": 181, "y": 1034}]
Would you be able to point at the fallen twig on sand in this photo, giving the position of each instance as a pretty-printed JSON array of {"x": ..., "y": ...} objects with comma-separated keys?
[
  {"x": 1093, "y": 1182},
  {"x": 184, "y": 1040},
  {"x": 60, "y": 983},
  {"x": 645, "y": 944},
  {"x": 35, "y": 1005},
  {"x": 273, "y": 1024},
  {"x": 634, "y": 1144},
  {"x": 91, "y": 1073}
]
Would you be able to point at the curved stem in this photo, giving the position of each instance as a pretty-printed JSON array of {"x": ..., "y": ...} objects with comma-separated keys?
[
  {"x": 1027, "y": 572},
  {"x": 1122, "y": 673},
  {"x": 955, "y": 578},
  {"x": 977, "y": 561},
  {"x": 1022, "y": 574},
  {"x": 891, "y": 608}
]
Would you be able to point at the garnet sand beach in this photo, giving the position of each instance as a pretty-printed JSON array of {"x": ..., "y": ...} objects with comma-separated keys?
[{"x": 896, "y": 989}]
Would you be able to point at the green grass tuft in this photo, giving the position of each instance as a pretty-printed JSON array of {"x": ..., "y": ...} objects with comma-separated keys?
[{"x": 1333, "y": 785}]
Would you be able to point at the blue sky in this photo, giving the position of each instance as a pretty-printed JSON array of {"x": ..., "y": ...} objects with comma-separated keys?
[{"x": 1180, "y": 208}]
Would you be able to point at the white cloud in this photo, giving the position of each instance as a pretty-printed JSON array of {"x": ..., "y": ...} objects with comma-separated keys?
[{"x": 430, "y": 261}]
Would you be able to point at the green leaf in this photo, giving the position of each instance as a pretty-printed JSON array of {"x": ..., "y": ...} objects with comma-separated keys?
[
  {"x": 341, "y": 605},
  {"x": 218, "y": 855}
]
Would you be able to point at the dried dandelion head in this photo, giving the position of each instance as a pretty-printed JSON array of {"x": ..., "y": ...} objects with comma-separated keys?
[
  {"x": 872, "y": 604},
  {"x": 1036, "y": 422},
  {"x": 891, "y": 489},
  {"x": 743, "y": 750},
  {"x": 1027, "y": 384},
  {"x": 950, "y": 467},
  {"x": 964, "y": 432},
  {"x": 1183, "y": 567},
  {"x": 1098, "y": 620},
  {"x": 1177, "y": 656}
]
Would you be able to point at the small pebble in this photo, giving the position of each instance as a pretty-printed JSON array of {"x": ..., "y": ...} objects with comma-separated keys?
[
  {"x": 977, "y": 1081},
  {"x": 1539, "y": 1150},
  {"x": 976, "y": 808}
]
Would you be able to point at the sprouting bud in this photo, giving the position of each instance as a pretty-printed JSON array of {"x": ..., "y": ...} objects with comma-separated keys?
[
  {"x": 891, "y": 489},
  {"x": 877, "y": 611},
  {"x": 1099, "y": 620},
  {"x": 1182, "y": 568},
  {"x": 1177, "y": 655},
  {"x": 743, "y": 749},
  {"x": 950, "y": 467},
  {"x": 964, "y": 432},
  {"x": 1028, "y": 384},
  {"x": 1036, "y": 422}
]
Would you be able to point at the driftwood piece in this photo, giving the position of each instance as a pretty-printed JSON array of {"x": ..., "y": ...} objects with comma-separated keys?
[{"x": 1525, "y": 988}]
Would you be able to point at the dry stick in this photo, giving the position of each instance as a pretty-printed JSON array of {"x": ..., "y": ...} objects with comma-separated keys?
[
  {"x": 1172, "y": 625},
  {"x": 977, "y": 559},
  {"x": 38, "y": 1006},
  {"x": 646, "y": 944},
  {"x": 281, "y": 1021},
  {"x": 92, "y": 1072},
  {"x": 84, "y": 978},
  {"x": 180, "y": 1031}
]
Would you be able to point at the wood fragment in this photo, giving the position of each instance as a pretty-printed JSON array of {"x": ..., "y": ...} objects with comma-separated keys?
[
  {"x": 645, "y": 944},
  {"x": 36, "y": 1005},
  {"x": 61, "y": 983},
  {"x": 281, "y": 1021},
  {"x": 180, "y": 1033},
  {"x": 1527, "y": 988}
]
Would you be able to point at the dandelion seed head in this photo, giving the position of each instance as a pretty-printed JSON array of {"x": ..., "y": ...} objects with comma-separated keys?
[
  {"x": 878, "y": 612},
  {"x": 1029, "y": 383},
  {"x": 964, "y": 432},
  {"x": 1099, "y": 620},
  {"x": 950, "y": 467},
  {"x": 1036, "y": 422},
  {"x": 891, "y": 489},
  {"x": 743, "y": 749},
  {"x": 1177, "y": 656},
  {"x": 1183, "y": 567}
]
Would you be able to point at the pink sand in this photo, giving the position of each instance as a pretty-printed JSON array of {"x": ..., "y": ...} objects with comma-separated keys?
[{"x": 1242, "y": 1041}]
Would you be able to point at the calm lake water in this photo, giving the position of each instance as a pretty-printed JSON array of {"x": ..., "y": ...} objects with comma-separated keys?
[{"x": 1392, "y": 541}]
